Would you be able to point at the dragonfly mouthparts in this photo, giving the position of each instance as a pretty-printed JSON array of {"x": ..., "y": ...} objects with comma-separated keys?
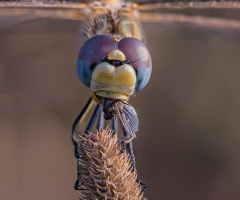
[{"x": 113, "y": 82}]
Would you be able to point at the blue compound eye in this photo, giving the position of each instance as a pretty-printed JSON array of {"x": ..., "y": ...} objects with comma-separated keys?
[
  {"x": 93, "y": 51},
  {"x": 139, "y": 57}
]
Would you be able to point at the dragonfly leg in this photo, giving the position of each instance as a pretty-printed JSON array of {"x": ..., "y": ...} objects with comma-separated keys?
[
  {"x": 79, "y": 182},
  {"x": 143, "y": 185},
  {"x": 129, "y": 147},
  {"x": 77, "y": 143},
  {"x": 77, "y": 120},
  {"x": 77, "y": 185},
  {"x": 100, "y": 121},
  {"x": 114, "y": 124},
  {"x": 128, "y": 144},
  {"x": 92, "y": 120}
]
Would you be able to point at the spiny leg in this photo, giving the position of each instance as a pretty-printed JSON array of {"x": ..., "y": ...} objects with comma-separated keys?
[
  {"x": 114, "y": 124},
  {"x": 143, "y": 185},
  {"x": 129, "y": 147},
  {"x": 76, "y": 145},
  {"x": 89, "y": 128},
  {"x": 78, "y": 182},
  {"x": 76, "y": 122},
  {"x": 100, "y": 121},
  {"x": 92, "y": 120}
]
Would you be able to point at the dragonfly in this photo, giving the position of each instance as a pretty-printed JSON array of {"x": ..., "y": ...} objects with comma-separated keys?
[{"x": 114, "y": 62}]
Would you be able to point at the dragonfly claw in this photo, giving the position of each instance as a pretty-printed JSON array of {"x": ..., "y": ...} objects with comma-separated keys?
[
  {"x": 143, "y": 185},
  {"x": 123, "y": 148},
  {"x": 77, "y": 185}
]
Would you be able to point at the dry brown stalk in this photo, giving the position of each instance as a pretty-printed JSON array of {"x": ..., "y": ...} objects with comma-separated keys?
[{"x": 105, "y": 172}]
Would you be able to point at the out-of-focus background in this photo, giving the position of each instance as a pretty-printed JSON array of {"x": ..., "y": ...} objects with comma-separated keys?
[{"x": 188, "y": 144}]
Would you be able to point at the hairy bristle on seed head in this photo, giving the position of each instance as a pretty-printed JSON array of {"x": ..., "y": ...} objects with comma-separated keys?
[{"x": 106, "y": 173}]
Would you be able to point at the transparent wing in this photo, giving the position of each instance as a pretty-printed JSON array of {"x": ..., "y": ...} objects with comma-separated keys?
[
  {"x": 73, "y": 11},
  {"x": 31, "y": 16},
  {"x": 199, "y": 4},
  {"x": 221, "y": 27},
  {"x": 200, "y": 15}
]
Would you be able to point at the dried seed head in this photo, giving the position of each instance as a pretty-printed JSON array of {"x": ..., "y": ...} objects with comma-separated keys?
[{"x": 105, "y": 173}]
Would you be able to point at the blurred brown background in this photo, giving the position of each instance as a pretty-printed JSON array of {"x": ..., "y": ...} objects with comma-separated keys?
[{"x": 188, "y": 146}]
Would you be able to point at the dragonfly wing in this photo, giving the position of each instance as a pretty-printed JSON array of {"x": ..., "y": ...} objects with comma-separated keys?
[
  {"x": 72, "y": 11},
  {"x": 199, "y": 4},
  {"x": 215, "y": 26}
]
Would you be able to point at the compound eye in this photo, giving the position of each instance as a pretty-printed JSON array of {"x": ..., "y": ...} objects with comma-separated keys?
[
  {"x": 139, "y": 57},
  {"x": 93, "y": 51}
]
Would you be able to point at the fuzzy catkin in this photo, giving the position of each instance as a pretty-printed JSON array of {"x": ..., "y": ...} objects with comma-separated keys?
[{"x": 106, "y": 174}]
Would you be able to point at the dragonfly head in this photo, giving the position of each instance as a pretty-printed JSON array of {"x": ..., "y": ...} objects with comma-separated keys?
[
  {"x": 114, "y": 78},
  {"x": 114, "y": 68}
]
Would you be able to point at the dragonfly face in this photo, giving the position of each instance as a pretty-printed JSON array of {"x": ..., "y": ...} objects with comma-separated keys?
[{"x": 114, "y": 68}]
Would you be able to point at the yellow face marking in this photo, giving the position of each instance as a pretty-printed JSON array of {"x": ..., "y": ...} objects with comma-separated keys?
[
  {"x": 116, "y": 55},
  {"x": 112, "y": 95},
  {"x": 103, "y": 73},
  {"x": 116, "y": 39},
  {"x": 123, "y": 75},
  {"x": 113, "y": 82}
]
